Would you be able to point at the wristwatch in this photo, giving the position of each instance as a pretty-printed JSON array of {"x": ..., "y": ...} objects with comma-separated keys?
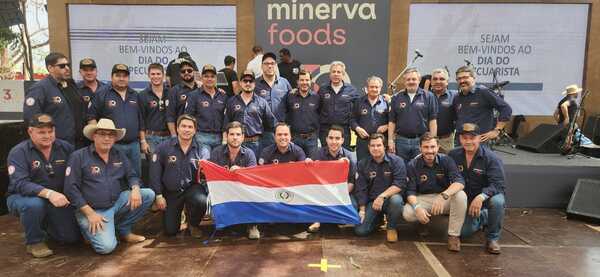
[{"x": 445, "y": 195}]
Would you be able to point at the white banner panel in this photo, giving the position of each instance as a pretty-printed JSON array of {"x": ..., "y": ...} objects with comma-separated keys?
[
  {"x": 138, "y": 35},
  {"x": 539, "y": 48}
]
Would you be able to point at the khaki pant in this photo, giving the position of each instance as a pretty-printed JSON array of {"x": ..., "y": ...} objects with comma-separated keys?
[
  {"x": 447, "y": 144},
  {"x": 456, "y": 206}
]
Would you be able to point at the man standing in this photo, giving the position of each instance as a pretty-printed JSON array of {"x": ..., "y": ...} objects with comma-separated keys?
[
  {"x": 234, "y": 155},
  {"x": 174, "y": 68},
  {"x": 36, "y": 171},
  {"x": 179, "y": 94},
  {"x": 370, "y": 116},
  {"x": 381, "y": 179},
  {"x": 435, "y": 187},
  {"x": 274, "y": 89},
  {"x": 302, "y": 114},
  {"x": 121, "y": 104},
  {"x": 89, "y": 83},
  {"x": 174, "y": 178},
  {"x": 337, "y": 100},
  {"x": 288, "y": 67},
  {"x": 233, "y": 86},
  {"x": 153, "y": 104},
  {"x": 475, "y": 104},
  {"x": 254, "y": 65},
  {"x": 484, "y": 178},
  {"x": 445, "y": 120},
  {"x": 283, "y": 150},
  {"x": 413, "y": 112},
  {"x": 250, "y": 110},
  {"x": 208, "y": 107},
  {"x": 95, "y": 177}
]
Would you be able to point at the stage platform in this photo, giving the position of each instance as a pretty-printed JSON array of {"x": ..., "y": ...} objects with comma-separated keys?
[
  {"x": 536, "y": 180},
  {"x": 535, "y": 242}
]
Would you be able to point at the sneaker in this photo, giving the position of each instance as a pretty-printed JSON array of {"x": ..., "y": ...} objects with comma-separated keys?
[
  {"x": 39, "y": 250},
  {"x": 493, "y": 247},
  {"x": 392, "y": 235},
  {"x": 313, "y": 228},
  {"x": 253, "y": 232},
  {"x": 195, "y": 232},
  {"x": 453, "y": 243}
]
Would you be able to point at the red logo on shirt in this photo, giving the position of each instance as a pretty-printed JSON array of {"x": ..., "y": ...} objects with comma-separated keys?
[{"x": 402, "y": 105}]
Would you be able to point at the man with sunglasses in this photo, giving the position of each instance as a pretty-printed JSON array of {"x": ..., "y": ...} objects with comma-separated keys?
[
  {"x": 180, "y": 93},
  {"x": 153, "y": 103},
  {"x": 36, "y": 171},
  {"x": 250, "y": 110}
]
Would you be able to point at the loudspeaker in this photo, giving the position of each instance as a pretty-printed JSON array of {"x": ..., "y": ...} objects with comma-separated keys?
[
  {"x": 584, "y": 200},
  {"x": 592, "y": 128},
  {"x": 545, "y": 138}
]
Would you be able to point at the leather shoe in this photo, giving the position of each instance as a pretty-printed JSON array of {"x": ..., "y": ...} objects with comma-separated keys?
[
  {"x": 453, "y": 243},
  {"x": 392, "y": 235},
  {"x": 493, "y": 247}
]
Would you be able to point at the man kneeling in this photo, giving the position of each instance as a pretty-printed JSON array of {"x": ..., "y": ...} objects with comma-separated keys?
[
  {"x": 93, "y": 184},
  {"x": 435, "y": 187},
  {"x": 381, "y": 178}
]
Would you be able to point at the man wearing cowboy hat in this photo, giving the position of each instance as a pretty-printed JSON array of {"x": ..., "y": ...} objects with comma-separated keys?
[
  {"x": 36, "y": 172},
  {"x": 94, "y": 176},
  {"x": 565, "y": 110}
]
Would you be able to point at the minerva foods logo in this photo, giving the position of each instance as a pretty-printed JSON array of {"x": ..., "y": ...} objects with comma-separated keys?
[
  {"x": 320, "y": 11},
  {"x": 284, "y": 195}
]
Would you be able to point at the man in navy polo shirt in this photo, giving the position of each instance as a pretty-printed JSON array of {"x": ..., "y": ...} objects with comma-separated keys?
[
  {"x": 337, "y": 100},
  {"x": 208, "y": 107},
  {"x": 105, "y": 190},
  {"x": 302, "y": 114},
  {"x": 413, "y": 112},
  {"x": 381, "y": 179},
  {"x": 435, "y": 187},
  {"x": 252, "y": 111},
  {"x": 153, "y": 103},
  {"x": 180, "y": 92},
  {"x": 174, "y": 178},
  {"x": 89, "y": 83},
  {"x": 121, "y": 104},
  {"x": 283, "y": 150},
  {"x": 445, "y": 118},
  {"x": 36, "y": 172},
  {"x": 274, "y": 89},
  {"x": 476, "y": 104},
  {"x": 370, "y": 116},
  {"x": 483, "y": 172}
]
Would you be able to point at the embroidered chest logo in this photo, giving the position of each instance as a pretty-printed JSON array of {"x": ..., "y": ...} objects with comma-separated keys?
[
  {"x": 327, "y": 96},
  {"x": 237, "y": 107},
  {"x": 35, "y": 164},
  {"x": 364, "y": 112},
  {"x": 263, "y": 92},
  {"x": 402, "y": 105},
  {"x": 95, "y": 170},
  {"x": 56, "y": 100},
  {"x": 275, "y": 161},
  {"x": 372, "y": 174},
  {"x": 205, "y": 104},
  {"x": 111, "y": 103},
  {"x": 182, "y": 97},
  {"x": 296, "y": 105},
  {"x": 460, "y": 168},
  {"x": 86, "y": 98},
  {"x": 153, "y": 104},
  {"x": 172, "y": 159},
  {"x": 423, "y": 178}
]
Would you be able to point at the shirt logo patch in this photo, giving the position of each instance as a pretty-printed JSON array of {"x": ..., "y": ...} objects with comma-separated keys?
[
  {"x": 182, "y": 97},
  {"x": 440, "y": 175},
  {"x": 311, "y": 104},
  {"x": 423, "y": 178},
  {"x": 275, "y": 161},
  {"x": 474, "y": 104},
  {"x": 167, "y": 102},
  {"x": 56, "y": 100},
  {"x": 154, "y": 157},
  {"x": 30, "y": 101},
  {"x": 112, "y": 103},
  {"x": 327, "y": 96},
  {"x": 261, "y": 161},
  {"x": 237, "y": 107},
  {"x": 117, "y": 164},
  {"x": 419, "y": 104},
  {"x": 263, "y": 92},
  {"x": 11, "y": 169},
  {"x": 59, "y": 162},
  {"x": 172, "y": 159},
  {"x": 153, "y": 104},
  {"x": 86, "y": 98},
  {"x": 387, "y": 173},
  {"x": 372, "y": 174},
  {"x": 284, "y": 195},
  {"x": 460, "y": 167},
  {"x": 68, "y": 171},
  {"x": 35, "y": 164},
  {"x": 295, "y": 70},
  {"x": 364, "y": 112},
  {"x": 95, "y": 170},
  {"x": 445, "y": 103},
  {"x": 296, "y": 105},
  {"x": 402, "y": 105},
  {"x": 133, "y": 102},
  {"x": 459, "y": 106},
  {"x": 478, "y": 171},
  {"x": 205, "y": 104}
]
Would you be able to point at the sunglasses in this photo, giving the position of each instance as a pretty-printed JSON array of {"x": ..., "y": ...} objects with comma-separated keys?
[
  {"x": 63, "y": 65},
  {"x": 187, "y": 71},
  {"x": 247, "y": 81}
]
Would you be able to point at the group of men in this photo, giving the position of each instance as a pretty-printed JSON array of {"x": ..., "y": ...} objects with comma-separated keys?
[{"x": 67, "y": 177}]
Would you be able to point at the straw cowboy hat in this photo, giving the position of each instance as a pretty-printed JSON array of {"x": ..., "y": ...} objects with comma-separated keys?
[
  {"x": 572, "y": 89},
  {"x": 103, "y": 124}
]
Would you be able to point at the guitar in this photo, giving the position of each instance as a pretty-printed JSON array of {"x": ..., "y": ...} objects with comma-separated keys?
[{"x": 567, "y": 146}]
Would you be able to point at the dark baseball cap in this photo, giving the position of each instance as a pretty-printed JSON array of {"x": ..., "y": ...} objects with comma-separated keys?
[
  {"x": 41, "y": 120},
  {"x": 87, "y": 62},
  {"x": 209, "y": 68},
  {"x": 120, "y": 68},
  {"x": 247, "y": 73},
  {"x": 469, "y": 128},
  {"x": 183, "y": 61},
  {"x": 269, "y": 55}
]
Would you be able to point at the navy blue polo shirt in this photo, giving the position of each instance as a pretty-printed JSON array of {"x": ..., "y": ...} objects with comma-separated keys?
[
  {"x": 28, "y": 169},
  {"x": 435, "y": 179},
  {"x": 208, "y": 111},
  {"x": 220, "y": 156},
  {"x": 86, "y": 93},
  {"x": 445, "y": 117},
  {"x": 178, "y": 98},
  {"x": 486, "y": 174},
  {"x": 91, "y": 181},
  {"x": 46, "y": 97},
  {"x": 478, "y": 107},
  {"x": 275, "y": 95},
  {"x": 124, "y": 113},
  {"x": 370, "y": 117},
  {"x": 322, "y": 154},
  {"x": 302, "y": 113},
  {"x": 271, "y": 154},
  {"x": 375, "y": 178},
  {"x": 171, "y": 170},
  {"x": 154, "y": 109},
  {"x": 412, "y": 118},
  {"x": 256, "y": 116},
  {"x": 336, "y": 108}
]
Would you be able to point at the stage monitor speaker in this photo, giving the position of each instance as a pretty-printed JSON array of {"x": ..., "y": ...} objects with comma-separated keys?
[
  {"x": 584, "y": 200},
  {"x": 545, "y": 138},
  {"x": 592, "y": 128}
]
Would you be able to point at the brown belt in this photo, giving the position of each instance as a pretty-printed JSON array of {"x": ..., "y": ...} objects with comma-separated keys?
[
  {"x": 252, "y": 138},
  {"x": 158, "y": 133}
]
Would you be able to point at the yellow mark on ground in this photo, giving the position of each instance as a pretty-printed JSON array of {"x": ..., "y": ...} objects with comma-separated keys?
[
  {"x": 595, "y": 228},
  {"x": 324, "y": 266}
]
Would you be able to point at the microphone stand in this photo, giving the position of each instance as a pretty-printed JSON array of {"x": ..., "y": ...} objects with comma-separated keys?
[
  {"x": 503, "y": 138},
  {"x": 392, "y": 85}
]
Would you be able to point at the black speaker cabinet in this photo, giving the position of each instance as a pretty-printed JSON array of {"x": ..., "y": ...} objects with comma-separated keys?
[
  {"x": 584, "y": 200},
  {"x": 545, "y": 138},
  {"x": 592, "y": 128}
]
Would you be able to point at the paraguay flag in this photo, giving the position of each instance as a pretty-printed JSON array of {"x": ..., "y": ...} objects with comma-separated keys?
[{"x": 291, "y": 192}]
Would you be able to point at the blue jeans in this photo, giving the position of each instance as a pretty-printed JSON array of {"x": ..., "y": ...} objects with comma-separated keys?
[
  {"x": 254, "y": 146},
  {"x": 195, "y": 200},
  {"x": 392, "y": 208},
  {"x": 492, "y": 216},
  {"x": 132, "y": 151},
  {"x": 155, "y": 141},
  {"x": 266, "y": 139},
  {"x": 324, "y": 131},
  {"x": 309, "y": 145},
  {"x": 209, "y": 140},
  {"x": 119, "y": 217},
  {"x": 38, "y": 215},
  {"x": 407, "y": 148}
]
